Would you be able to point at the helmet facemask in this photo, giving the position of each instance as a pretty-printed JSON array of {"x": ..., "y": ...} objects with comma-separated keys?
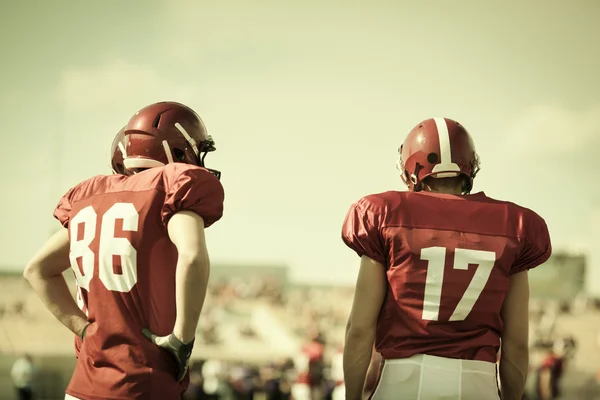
[{"x": 206, "y": 147}]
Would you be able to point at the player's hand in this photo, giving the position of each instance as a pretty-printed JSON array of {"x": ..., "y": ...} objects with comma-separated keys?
[{"x": 181, "y": 351}]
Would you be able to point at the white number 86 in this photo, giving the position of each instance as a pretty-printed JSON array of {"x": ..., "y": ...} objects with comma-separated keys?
[{"x": 108, "y": 246}]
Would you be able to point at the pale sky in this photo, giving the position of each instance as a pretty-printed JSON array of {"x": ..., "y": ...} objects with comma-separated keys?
[{"x": 308, "y": 102}]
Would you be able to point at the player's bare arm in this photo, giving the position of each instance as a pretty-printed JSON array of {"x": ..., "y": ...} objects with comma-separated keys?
[
  {"x": 45, "y": 275},
  {"x": 514, "y": 360},
  {"x": 360, "y": 331},
  {"x": 186, "y": 231}
]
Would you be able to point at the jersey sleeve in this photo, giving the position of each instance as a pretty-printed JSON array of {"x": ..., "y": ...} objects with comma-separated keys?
[
  {"x": 536, "y": 245},
  {"x": 361, "y": 232},
  {"x": 62, "y": 212},
  {"x": 193, "y": 189}
]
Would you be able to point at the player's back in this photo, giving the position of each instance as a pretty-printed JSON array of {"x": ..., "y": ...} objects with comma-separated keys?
[
  {"x": 125, "y": 268},
  {"x": 448, "y": 259}
]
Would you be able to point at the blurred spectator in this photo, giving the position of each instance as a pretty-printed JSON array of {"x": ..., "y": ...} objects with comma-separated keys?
[
  {"x": 22, "y": 374},
  {"x": 337, "y": 375},
  {"x": 310, "y": 365},
  {"x": 548, "y": 375},
  {"x": 242, "y": 380},
  {"x": 213, "y": 374}
]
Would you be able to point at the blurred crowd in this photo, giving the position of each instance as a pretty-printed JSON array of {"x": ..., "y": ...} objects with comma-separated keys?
[
  {"x": 317, "y": 316},
  {"x": 306, "y": 311},
  {"x": 562, "y": 332}
]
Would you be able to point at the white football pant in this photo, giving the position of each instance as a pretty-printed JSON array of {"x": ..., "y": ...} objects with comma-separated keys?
[
  {"x": 302, "y": 391},
  {"x": 424, "y": 377}
]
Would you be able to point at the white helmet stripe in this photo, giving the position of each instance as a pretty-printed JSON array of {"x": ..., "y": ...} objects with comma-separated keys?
[
  {"x": 188, "y": 138},
  {"x": 446, "y": 168},
  {"x": 444, "y": 138}
]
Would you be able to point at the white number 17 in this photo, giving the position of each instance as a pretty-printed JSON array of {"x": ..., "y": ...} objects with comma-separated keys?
[{"x": 436, "y": 257}]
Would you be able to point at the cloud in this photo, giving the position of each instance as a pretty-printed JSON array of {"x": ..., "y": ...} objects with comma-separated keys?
[
  {"x": 555, "y": 130},
  {"x": 548, "y": 145},
  {"x": 546, "y": 160},
  {"x": 116, "y": 87},
  {"x": 98, "y": 100}
]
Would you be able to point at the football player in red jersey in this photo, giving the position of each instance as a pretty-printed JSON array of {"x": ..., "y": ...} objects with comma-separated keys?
[
  {"x": 137, "y": 247},
  {"x": 443, "y": 278}
]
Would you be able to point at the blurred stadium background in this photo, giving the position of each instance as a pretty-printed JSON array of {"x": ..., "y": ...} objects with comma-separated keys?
[
  {"x": 333, "y": 82},
  {"x": 256, "y": 321}
]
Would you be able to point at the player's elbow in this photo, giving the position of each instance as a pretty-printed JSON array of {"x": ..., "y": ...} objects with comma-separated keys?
[
  {"x": 197, "y": 259},
  {"x": 515, "y": 316},
  {"x": 359, "y": 338},
  {"x": 41, "y": 269},
  {"x": 515, "y": 355},
  {"x": 515, "y": 338},
  {"x": 363, "y": 320},
  {"x": 360, "y": 335},
  {"x": 32, "y": 271},
  {"x": 360, "y": 328},
  {"x": 194, "y": 263},
  {"x": 516, "y": 349},
  {"x": 27, "y": 272}
]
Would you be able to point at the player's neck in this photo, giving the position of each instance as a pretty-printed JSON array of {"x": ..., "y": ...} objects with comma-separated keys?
[
  {"x": 450, "y": 185},
  {"x": 453, "y": 193},
  {"x": 442, "y": 190}
]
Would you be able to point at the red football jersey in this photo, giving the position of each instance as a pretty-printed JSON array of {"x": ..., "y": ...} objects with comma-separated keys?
[
  {"x": 125, "y": 267},
  {"x": 448, "y": 260}
]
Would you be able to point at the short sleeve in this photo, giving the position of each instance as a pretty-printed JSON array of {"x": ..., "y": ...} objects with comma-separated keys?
[
  {"x": 536, "y": 245},
  {"x": 191, "y": 188},
  {"x": 62, "y": 212},
  {"x": 361, "y": 233}
]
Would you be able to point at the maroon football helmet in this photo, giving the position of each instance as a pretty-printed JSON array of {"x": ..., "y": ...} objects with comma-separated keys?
[
  {"x": 159, "y": 134},
  {"x": 440, "y": 148}
]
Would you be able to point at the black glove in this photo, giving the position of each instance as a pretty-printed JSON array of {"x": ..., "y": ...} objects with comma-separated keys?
[{"x": 181, "y": 351}]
